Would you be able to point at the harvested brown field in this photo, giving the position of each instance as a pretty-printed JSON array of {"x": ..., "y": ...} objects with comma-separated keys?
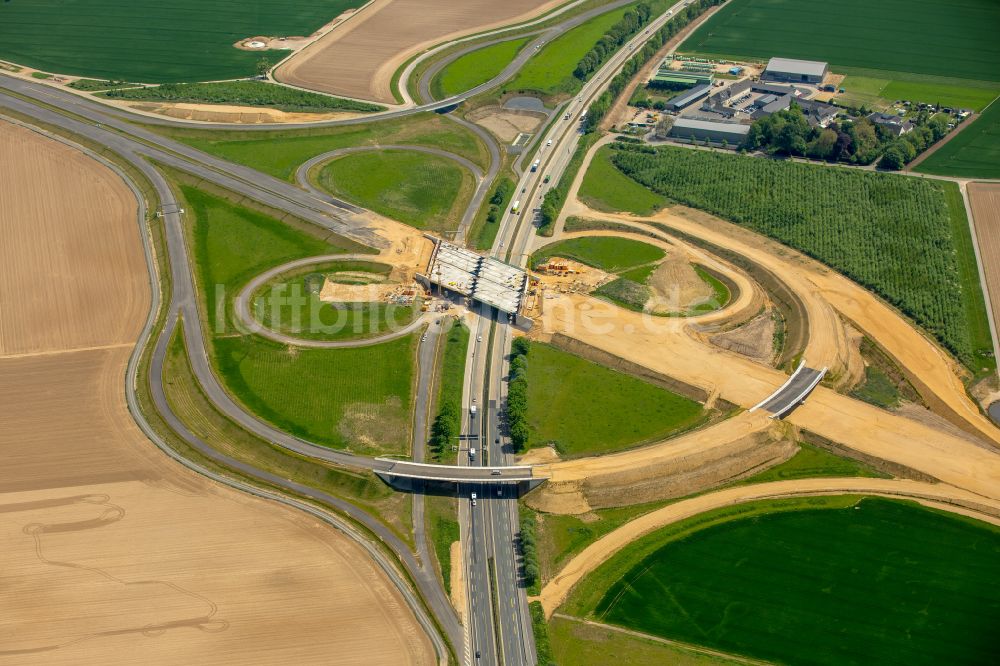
[
  {"x": 112, "y": 552},
  {"x": 358, "y": 57},
  {"x": 984, "y": 198}
]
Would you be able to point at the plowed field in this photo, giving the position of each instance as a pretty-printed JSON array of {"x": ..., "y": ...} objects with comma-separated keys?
[
  {"x": 359, "y": 57},
  {"x": 112, "y": 553}
]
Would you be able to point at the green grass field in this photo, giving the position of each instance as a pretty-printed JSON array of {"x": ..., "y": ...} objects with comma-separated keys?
[
  {"x": 563, "y": 536},
  {"x": 831, "y": 582},
  {"x": 474, "y": 68},
  {"x": 181, "y": 40},
  {"x": 248, "y": 93},
  {"x": 452, "y": 373},
  {"x": 956, "y": 40},
  {"x": 233, "y": 244},
  {"x": 290, "y": 304},
  {"x": 887, "y": 87},
  {"x": 442, "y": 530},
  {"x": 813, "y": 462},
  {"x": 422, "y": 190},
  {"x": 577, "y": 644},
  {"x": 356, "y": 399},
  {"x": 583, "y": 408},
  {"x": 604, "y": 252},
  {"x": 189, "y": 403},
  {"x": 550, "y": 71},
  {"x": 280, "y": 153},
  {"x": 973, "y": 153},
  {"x": 906, "y": 239},
  {"x": 606, "y": 188}
]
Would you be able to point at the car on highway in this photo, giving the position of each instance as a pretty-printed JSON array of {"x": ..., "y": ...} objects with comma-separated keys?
[
  {"x": 499, "y": 491},
  {"x": 549, "y": 142}
]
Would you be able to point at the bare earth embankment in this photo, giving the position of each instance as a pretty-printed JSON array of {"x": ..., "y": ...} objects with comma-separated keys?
[
  {"x": 984, "y": 198},
  {"x": 113, "y": 553},
  {"x": 358, "y": 58}
]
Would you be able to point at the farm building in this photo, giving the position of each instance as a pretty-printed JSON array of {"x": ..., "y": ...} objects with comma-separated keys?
[
  {"x": 714, "y": 131},
  {"x": 794, "y": 71},
  {"x": 896, "y": 125},
  {"x": 664, "y": 75},
  {"x": 688, "y": 98}
]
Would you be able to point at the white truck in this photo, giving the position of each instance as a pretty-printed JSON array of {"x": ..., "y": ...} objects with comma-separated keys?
[
  {"x": 472, "y": 453},
  {"x": 534, "y": 165}
]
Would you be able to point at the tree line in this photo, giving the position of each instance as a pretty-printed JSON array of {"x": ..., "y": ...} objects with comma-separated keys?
[
  {"x": 629, "y": 24},
  {"x": 856, "y": 141},
  {"x": 597, "y": 110},
  {"x": 517, "y": 395},
  {"x": 500, "y": 199}
]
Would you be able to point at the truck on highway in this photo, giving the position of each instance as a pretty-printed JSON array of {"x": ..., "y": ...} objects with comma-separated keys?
[
  {"x": 583, "y": 115},
  {"x": 534, "y": 165},
  {"x": 472, "y": 453},
  {"x": 516, "y": 207}
]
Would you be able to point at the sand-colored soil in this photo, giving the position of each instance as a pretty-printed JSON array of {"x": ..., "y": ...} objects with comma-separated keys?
[
  {"x": 358, "y": 58},
  {"x": 113, "y": 553},
  {"x": 335, "y": 292},
  {"x": 827, "y": 297},
  {"x": 936, "y": 495},
  {"x": 745, "y": 303},
  {"x": 672, "y": 348},
  {"x": 59, "y": 258},
  {"x": 458, "y": 579},
  {"x": 754, "y": 339},
  {"x": 675, "y": 286},
  {"x": 505, "y": 124},
  {"x": 984, "y": 199},
  {"x": 229, "y": 113}
]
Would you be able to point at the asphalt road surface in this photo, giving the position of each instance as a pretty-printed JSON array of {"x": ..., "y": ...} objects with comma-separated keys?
[{"x": 498, "y": 626}]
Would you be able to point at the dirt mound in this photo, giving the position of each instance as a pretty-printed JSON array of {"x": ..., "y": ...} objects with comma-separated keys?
[
  {"x": 754, "y": 339},
  {"x": 506, "y": 124},
  {"x": 676, "y": 286}
]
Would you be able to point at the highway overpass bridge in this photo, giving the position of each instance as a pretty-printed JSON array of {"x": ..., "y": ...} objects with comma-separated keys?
[
  {"x": 407, "y": 475},
  {"x": 793, "y": 392}
]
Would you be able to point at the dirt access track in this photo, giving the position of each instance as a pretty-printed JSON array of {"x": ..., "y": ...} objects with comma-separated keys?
[
  {"x": 674, "y": 348},
  {"x": 984, "y": 199},
  {"x": 112, "y": 553},
  {"x": 359, "y": 57},
  {"x": 933, "y": 495}
]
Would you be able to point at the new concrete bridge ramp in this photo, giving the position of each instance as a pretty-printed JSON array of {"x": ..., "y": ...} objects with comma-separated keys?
[{"x": 793, "y": 392}]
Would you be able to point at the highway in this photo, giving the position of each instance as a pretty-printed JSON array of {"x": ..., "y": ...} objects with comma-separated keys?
[
  {"x": 513, "y": 243},
  {"x": 498, "y": 627}
]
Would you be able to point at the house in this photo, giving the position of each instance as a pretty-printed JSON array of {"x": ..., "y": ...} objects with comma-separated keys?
[
  {"x": 896, "y": 125},
  {"x": 795, "y": 71}
]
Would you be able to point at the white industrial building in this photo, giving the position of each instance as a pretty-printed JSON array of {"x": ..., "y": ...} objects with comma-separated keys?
[
  {"x": 714, "y": 131},
  {"x": 790, "y": 70}
]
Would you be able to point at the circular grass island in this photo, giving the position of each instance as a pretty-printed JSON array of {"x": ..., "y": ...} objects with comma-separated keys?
[
  {"x": 423, "y": 190},
  {"x": 336, "y": 301}
]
